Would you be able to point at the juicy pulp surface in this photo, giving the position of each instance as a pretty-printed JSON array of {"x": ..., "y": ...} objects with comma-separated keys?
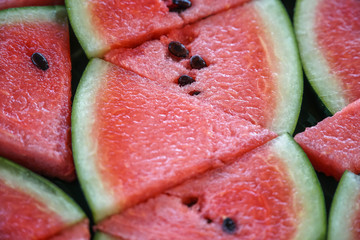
[
  {"x": 253, "y": 191},
  {"x": 23, "y": 217},
  {"x": 333, "y": 144},
  {"x": 240, "y": 77},
  {"x": 35, "y": 104},
  {"x": 149, "y": 138},
  {"x": 338, "y": 34},
  {"x": 4, "y": 4},
  {"x": 79, "y": 231}
]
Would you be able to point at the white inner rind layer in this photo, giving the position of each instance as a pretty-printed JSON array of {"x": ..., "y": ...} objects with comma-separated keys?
[
  {"x": 307, "y": 190},
  {"x": 100, "y": 199},
  {"x": 286, "y": 67},
  {"x": 317, "y": 69},
  {"x": 81, "y": 21},
  {"x": 23, "y": 180},
  {"x": 34, "y": 14},
  {"x": 344, "y": 207}
]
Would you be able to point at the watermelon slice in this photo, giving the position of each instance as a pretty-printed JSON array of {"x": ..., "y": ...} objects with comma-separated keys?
[
  {"x": 33, "y": 208},
  {"x": 328, "y": 33},
  {"x": 333, "y": 144},
  {"x": 344, "y": 216},
  {"x": 269, "y": 193},
  {"x": 102, "y": 25},
  {"x": 133, "y": 138},
  {"x": 4, "y": 4},
  {"x": 252, "y": 68},
  {"x": 36, "y": 90}
]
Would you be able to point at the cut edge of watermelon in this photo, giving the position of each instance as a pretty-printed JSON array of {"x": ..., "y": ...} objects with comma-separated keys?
[
  {"x": 312, "y": 223},
  {"x": 104, "y": 236},
  {"x": 101, "y": 202},
  {"x": 87, "y": 35},
  {"x": 278, "y": 25},
  {"x": 343, "y": 207},
  {"x": 33, "y": 14},
  {"x": 53, "y": 197},
  {"x": 315, "y": 65}
]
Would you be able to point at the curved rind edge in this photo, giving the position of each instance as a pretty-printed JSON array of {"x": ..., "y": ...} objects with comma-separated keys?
[
  {"x": 278, "y": 25},
  {"x": 101, "y": 202},
  {"x": 22, "y": 179},
  {"x": 80, "y": 20},
  {"x": 312, "y": 224},
  {"x": 315, "y": 65},
  {"x": 103, "y": 236},
  {"x": 343, "y": 207}
]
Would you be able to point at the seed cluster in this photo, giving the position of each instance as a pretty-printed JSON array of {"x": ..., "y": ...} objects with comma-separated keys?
[{"x": 196, "y": 62}]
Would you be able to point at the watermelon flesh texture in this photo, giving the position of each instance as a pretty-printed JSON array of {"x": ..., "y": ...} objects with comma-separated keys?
[
  {"x": 4, "y": 4},
  {"x": 119, "y": 23},
  {"x": 33, "y": 208},
  {"x": 149, "y": 138},
  {"x": 344, "y": 218},
  {"x": 338, "y": 35},
  {"x": 35, "y": 104},
  {"x": 79, "y": 231},
  {"x": 243, "y": 69},
  {"x": 257, "y": 192},
  {"x": 333, "y": 144}
]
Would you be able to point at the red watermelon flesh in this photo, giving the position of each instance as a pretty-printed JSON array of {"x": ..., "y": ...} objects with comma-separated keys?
[
  {"x": 333, "y": 144},
  {"x": 4, "y": 4},
  {"x": 239, "y": 78},
  {"x": 338, "y": 34},
  {"x": 79, "y": 231},
  {"x": 255, "y": 192},
  {"x": 17, "y": 214},
  {"x": 35, "y": 104},
  {"x": 150, "y": 138}
]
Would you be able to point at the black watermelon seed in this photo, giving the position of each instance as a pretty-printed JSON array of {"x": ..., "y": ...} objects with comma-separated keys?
[
  {"x": 228, "y": 225},
  {"x": 178, "y": 49},
  {"x": 197, "y": 62},
  {"x": 180, "y": 5},
  {"x": 39, "y": 61},
  {"x": 195, "y": 92},
  {"x": 185, "y": 80}
]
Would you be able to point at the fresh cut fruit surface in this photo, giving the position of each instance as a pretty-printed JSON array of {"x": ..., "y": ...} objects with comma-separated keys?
[
  {"x": 328, "y": 33},
  {"x": 35, "y": 83},
  {"x": 344, "y": 219},
  {"x": 102, "y": 25},
  {"x": 141, "y": 138},
  {"x": 333, "y": 144},
  {"x": 250, "y": 65},
  {"x": 33, "y": 208},
  {"x": 4, "y": 4},
  {"x": 269, "y": 193}
]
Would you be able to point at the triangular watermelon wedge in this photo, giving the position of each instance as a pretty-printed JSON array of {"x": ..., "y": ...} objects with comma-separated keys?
[
  {"x": 269, "y": 193},
  {"x": 333, "y": 144},
  {"x": 33, "y": 208},
  {"x": 35, "y": 83},
  {"x": 252, "y": 66},
  {"x": 344, "y": 215},
  {"x": 103, "y": 25},
  {"x": 133, "y": 138},
  {"x": 328, "y": 34}
]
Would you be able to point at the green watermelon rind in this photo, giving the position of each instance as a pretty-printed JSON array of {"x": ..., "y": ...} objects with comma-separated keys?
[
  {"x": 39, "y": 188},
  {"x": 290, "y": 79},
  {"x": 103, "y": 236},
  {"x": 101, "y": 202},
  {"x": 86, "y": 33},
  {"x": 326, "y": 85},
  {"x": 312, "y": 222},
  {"x": 344, "y": 207},
  {"x": 34, "y": 14}
]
